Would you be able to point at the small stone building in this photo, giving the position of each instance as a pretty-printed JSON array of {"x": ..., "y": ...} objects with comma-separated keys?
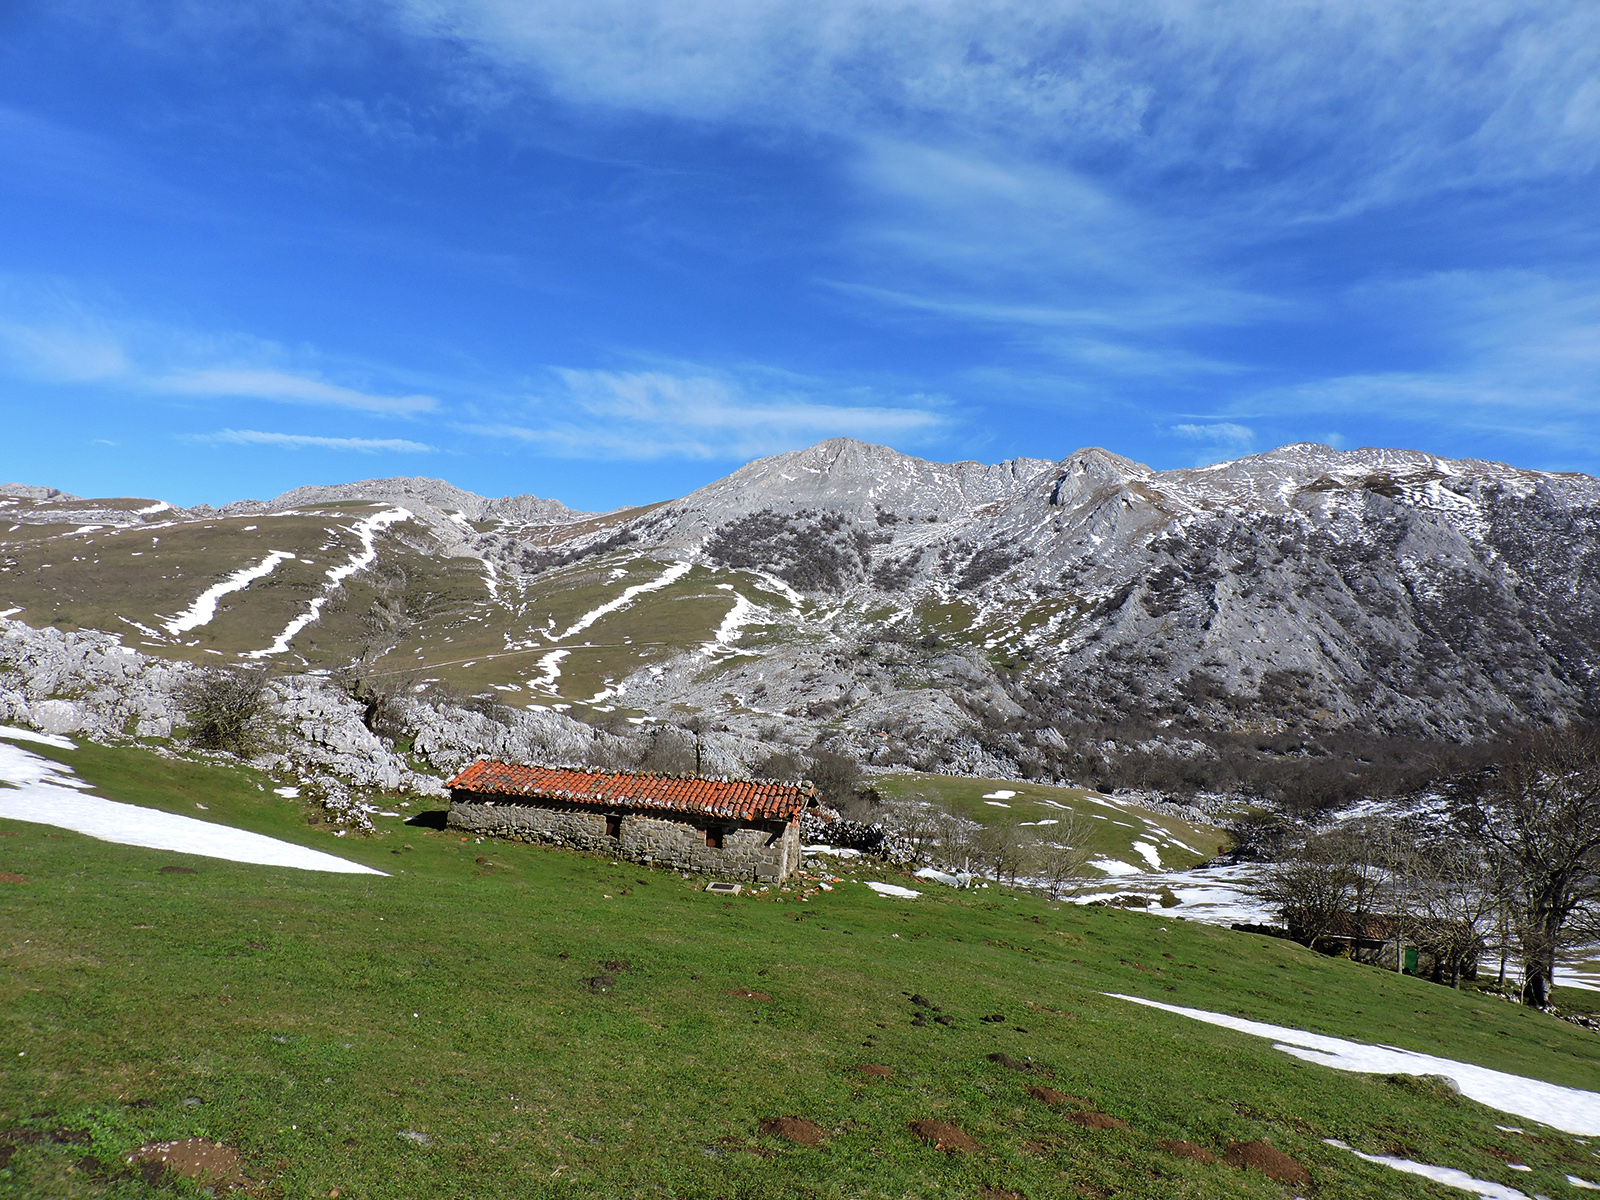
[{"x": 739, "y": 829}]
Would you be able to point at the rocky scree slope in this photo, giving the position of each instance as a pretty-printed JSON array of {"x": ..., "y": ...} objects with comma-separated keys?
[{"x": 313, "y": 733}]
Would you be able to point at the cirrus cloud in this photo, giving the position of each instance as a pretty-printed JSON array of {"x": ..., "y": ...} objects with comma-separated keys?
[
  {"x": 259, "y": 384},
  {"x": 701, "y": 414},
  {"x": 307, "y": 441}
]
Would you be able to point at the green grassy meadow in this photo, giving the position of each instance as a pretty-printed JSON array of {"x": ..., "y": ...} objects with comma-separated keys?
[
  {"x": 1112, "y": 828},
  {"x": 436, "y": 1032}
]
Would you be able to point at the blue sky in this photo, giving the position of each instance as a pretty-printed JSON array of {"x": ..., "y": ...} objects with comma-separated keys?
[{"x": 608, "y": 252}]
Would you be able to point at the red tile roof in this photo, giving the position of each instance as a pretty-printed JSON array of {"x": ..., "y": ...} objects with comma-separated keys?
[{"x": 745, "y": 800}]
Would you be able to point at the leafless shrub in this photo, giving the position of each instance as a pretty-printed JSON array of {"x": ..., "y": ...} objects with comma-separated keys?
[{"x": 225, "y": 708}]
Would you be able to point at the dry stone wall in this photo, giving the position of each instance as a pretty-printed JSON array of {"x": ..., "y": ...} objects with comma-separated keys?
[{"x": 760, "y": 851}]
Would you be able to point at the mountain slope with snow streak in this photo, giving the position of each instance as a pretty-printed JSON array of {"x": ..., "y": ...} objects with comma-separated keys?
[{"x": 947, "y": 616}]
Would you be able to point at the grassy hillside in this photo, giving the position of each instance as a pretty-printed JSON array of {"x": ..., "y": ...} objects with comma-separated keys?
[
  {"x": 451, "y": 1031},
  {"x": 1039, "y": 808}
]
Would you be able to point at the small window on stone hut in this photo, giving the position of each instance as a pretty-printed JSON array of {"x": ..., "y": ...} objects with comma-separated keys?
[
  {"x": 714, "y": 837},
  {"x": 613, "y": 825}
]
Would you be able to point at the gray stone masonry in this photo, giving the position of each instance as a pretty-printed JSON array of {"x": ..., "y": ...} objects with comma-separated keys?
[{"x": 756, "y": 851}]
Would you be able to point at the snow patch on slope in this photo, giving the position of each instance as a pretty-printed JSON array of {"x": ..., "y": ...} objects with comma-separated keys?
[
  {"x": 48, "y": 793},
  {"x": 1571, "y": 1110},
  {"x": 367, "y": 531},
  {"x": 204, "y": 608},
  {"x": 671, "y": 575}
]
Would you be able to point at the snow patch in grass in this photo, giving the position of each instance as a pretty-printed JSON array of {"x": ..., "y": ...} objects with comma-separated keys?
[
  {"x": 1149, "y": 853},
  {"x": 835, "y": 851},
  {"x": 1448, "y": 1176},
  {"x": 44, "y": 796},
  {"x": 671, "y": 575},
  {"x": 997, "y": 804},
  {"x": 1570, "y": 1110},
  {"x": 1000, "y": 795},
  {"x": 958, "y": 880},
  {"x": 891, "y": 889},
  {"x": 366, "y": 530},
  {"x": 549, "y": 671},
  {"x": 743, "y": 612},
  {"x": 1115, "y": 866},
  {"x": 44, "y": 739}
]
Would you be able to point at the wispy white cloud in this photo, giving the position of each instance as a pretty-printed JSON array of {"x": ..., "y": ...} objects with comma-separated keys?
[
  {"x": 1512, "y": 353},
  {"x": 66, "y": 353},
  {"x": 1077, "y": 176},
  {"x": 1042, "y": 254},
  {"x": 1222, "y": 440},
  {"x": 47, "y": 332},
  {"x": 1339, "y": 97},
  {"x": 699, "y": 414},
  {"x": 258, "y": 384},
  {"x": 305, "y": 441}
]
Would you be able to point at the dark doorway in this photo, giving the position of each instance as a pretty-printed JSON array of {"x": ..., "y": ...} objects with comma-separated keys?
[{"x": 613, "y": 825}]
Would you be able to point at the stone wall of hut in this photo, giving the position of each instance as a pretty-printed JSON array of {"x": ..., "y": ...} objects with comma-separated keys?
[{"x": 751, "y": 851}]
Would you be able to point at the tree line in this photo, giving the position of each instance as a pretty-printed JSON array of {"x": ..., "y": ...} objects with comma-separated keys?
[{"x": 1502, "y": 859}]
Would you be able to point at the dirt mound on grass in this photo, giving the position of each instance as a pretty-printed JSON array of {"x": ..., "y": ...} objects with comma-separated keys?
[
  {"x": 795, "y": 1129},
  {"x": 1096, "y": 1120},
  {"x": 195, "y": 1159},
  {"x": 745, "y": 994},
  {"x": 1014, "y": 1064},
  {"x": 941, "y": 1135},
  {"x": 601, "y": 983},
  {"x": 8, "y": 877},
  {"x": 1269, "y": 1160},
  {"x": 1047, "y": 1095},
  {"x": 877, "y": 1070},
  {"x": 1185, "y": 1149},
  {"x": 619, "y": 966}
]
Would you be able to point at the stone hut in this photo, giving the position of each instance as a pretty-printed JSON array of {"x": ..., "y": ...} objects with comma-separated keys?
[{"x": 739, "y": 829}]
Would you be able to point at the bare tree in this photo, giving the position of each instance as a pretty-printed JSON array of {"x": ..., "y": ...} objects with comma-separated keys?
[
  {"x": 1461, "y": 896},
  {"x": 919, "y": 826},
  {"x": 999, "y": 849},
  {"x": 835, "y": 775},
  {"x": 1537, "y": 811},
  {"x": 1063, "y": 859},
  {"x": 382, "y": 696},
  {"x": 956, "y": 834},
  {"x": 670, "y": 750},
  {"x": 1330, "y": 879}
]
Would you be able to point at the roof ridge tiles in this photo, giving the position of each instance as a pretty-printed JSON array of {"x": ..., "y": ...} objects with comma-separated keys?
[{"x": 746, "y": 799}]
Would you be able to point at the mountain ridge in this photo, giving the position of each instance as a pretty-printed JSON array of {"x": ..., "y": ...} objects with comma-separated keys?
[{"x": 912, "y": 612}]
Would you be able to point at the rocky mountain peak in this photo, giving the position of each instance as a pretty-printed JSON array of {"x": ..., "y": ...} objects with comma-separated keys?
[{"x": 30, "y": 491}]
